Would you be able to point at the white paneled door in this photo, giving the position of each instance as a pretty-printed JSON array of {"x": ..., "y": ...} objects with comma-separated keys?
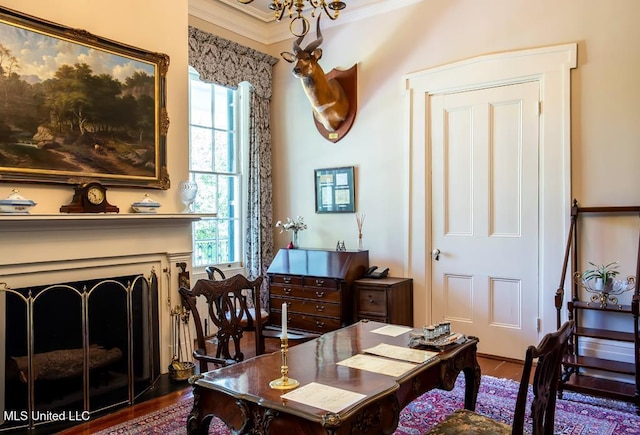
[{"x": 485, "y": 234}]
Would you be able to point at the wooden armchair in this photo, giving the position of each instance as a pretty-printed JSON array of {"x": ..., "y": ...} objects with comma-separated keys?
[
  {"x": 228, "y": 310},
  {"x": 266, "y": 331},
  {"x": 215, "y": 273},
  {"x": 545, "y": 385}
]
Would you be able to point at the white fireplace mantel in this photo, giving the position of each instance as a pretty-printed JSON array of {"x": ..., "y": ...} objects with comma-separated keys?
[
  {"x": 43, "y": 238},
  {"x": 13, "y": 221},
  {"x": 42, "y": 249}
]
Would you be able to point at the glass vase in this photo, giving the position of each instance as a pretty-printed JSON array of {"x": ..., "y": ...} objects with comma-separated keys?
[
  {"x": 188, "y": 191},
  {"x": 360, "y": 242},
  {"x": 294, "y": 240}
]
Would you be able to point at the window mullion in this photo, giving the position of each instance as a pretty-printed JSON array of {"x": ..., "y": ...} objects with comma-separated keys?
[{"x": 218, "y": 174}]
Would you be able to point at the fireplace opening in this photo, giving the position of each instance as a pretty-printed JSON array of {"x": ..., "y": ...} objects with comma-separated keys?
[{"x": 80, "y": 346}]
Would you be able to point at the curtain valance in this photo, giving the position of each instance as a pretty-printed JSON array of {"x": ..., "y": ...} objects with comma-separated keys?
[{"x": 228, "y": 63}]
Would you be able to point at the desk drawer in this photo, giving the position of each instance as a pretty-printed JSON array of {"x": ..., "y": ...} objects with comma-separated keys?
[
  {"x": 297, "y": 292},
  {"x": 328, "y": 283},
  {"x": 306, "y": 323},
  {"x": 306, "y": 307},
  {"x": 372, "y": 301},
  {"x": 287, "y": 279},
  {"x": 287, "y": 290}
]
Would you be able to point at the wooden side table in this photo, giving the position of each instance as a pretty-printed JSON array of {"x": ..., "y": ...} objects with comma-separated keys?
[{"x": 388, "y": 300}]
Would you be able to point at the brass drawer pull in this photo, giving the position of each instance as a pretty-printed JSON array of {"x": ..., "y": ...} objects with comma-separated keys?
[
  {"x": 320, "y": 308},
  {"x": 287, "y": 279},
  {"x": 371, "y": 300},
  {"x": 319, "y": 324},
  {"x": 287, "y": 290},
  {"x": 319, "y": 282},
  {"x": 319, "y": 294}
]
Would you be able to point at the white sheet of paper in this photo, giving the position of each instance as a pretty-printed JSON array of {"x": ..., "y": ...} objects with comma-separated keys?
[
  {"x": 342, "y": 179},
  {"x": 325, "y": 397},
  {"x": 401, "y": 353},
  {"x": 392, "y": 330},
  {"x": 376, "y": 364}
]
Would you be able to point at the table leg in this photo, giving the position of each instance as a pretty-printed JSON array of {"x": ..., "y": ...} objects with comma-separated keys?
[
  {"x": 207, "y": 403},
  {"x": 464, "y": 360},
  {"x": 472, "y": 377}
]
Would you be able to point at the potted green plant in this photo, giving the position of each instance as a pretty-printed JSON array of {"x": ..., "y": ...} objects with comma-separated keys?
[{"x": 602, "y": 275}]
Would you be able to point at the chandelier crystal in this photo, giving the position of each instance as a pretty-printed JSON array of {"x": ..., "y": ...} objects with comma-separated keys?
[{"x": 299, "y": 24}]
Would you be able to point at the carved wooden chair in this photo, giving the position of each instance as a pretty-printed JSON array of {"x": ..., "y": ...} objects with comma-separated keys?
[
  {"x": 543, "y": 407},
  {"x": 228, "y": 310},
  {"x": 267, "y": 331},
  {"x": 214, "y": 273},
  {"x": 250, "y": 296}
]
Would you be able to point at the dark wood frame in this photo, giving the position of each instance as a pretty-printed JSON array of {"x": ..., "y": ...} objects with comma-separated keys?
[
  {"x": 79, "y": 138},
  {"x": 257, "y": 406},
  {"x": 325, "y": 183},
  {"x": 574, "y": 377}
]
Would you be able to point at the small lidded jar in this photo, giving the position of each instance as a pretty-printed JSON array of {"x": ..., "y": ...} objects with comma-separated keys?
[
  {"x": 446, "y": 328},
  {"x": 429, "y": 332}
]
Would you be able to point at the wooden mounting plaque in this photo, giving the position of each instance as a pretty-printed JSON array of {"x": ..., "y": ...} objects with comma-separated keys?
[{"x": 348, "y": 79}]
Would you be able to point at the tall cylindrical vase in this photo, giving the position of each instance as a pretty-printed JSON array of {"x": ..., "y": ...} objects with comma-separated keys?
[
  {"x": 360, "y": 242},
  {"x": 294, "y": 240}
]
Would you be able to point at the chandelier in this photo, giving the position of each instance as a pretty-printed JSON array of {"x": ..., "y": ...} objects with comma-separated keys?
[{"x": 299, "y": 25}]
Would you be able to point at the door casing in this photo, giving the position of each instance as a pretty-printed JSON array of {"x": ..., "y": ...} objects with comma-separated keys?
[{"x": 551, "y": 67}]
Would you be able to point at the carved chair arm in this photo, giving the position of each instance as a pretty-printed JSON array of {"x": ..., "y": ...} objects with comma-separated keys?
[{"x": 222, "y": 362}]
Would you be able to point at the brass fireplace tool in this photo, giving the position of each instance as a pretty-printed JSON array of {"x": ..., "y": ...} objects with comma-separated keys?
[{"x": 284, "y": 382}]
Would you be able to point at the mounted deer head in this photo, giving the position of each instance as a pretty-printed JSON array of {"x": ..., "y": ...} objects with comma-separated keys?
[{"x": 328, "y": 99}]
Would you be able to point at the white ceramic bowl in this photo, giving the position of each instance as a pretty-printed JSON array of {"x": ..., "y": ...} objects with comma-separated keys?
[
  {"x": 16, "y": 203},
  {"x": 146, "y": 205}
]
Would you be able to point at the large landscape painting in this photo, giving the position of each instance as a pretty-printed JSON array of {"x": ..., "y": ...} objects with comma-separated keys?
[{"x": 76, "y": 107}]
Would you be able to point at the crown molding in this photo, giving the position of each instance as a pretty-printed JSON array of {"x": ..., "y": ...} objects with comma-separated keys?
[{"x": 262, "y": 27}]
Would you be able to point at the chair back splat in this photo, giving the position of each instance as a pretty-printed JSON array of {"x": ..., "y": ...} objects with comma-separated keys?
[
  {"x": 228, "y": 309},
  {"x": 549, "y": 353}
]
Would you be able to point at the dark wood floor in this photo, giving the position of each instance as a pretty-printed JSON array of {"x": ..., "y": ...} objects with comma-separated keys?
[{"x": 498, "y": 368}]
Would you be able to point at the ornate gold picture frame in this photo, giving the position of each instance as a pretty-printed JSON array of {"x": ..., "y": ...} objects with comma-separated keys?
[{"x": 75, "y": 107}]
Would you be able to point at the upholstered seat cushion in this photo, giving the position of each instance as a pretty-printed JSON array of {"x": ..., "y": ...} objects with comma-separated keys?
[
  {"x": 252, "y": 312},
  {"x": 463, "y": 422}
]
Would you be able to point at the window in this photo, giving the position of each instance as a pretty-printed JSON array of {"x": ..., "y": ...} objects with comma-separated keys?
[{"x": 218, "y": 155}]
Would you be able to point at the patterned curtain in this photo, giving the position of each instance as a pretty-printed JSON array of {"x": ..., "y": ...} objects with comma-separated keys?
[{"x": 227, "y": 63}]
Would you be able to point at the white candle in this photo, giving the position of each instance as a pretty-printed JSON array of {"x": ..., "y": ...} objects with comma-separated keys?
[{"x": 284, "y": 320}]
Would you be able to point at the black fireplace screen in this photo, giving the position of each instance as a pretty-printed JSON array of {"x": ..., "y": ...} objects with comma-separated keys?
[{"x": 78, "y": 347}]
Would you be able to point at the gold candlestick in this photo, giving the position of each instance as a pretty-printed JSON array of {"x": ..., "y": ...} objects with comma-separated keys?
[{"x": 284, "y": 382}]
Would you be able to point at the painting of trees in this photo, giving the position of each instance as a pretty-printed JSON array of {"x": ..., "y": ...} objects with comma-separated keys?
[{"x": 75, "y": 110}]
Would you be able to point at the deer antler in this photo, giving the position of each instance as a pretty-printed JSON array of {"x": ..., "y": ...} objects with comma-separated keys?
[
  {"x": 296, "y": 45},
  {"x": 315, "y": 44}
]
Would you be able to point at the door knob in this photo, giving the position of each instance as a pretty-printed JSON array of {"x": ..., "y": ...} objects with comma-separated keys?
[{"x": 436, "y": 254}]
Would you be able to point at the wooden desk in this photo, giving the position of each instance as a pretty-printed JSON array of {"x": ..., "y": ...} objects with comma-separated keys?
[
  {"x": 316, "y": 285},
  {"x": 240, "y": 394}
]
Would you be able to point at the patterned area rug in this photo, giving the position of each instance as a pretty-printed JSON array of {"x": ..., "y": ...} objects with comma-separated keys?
[{"x": 576, "y": 414}]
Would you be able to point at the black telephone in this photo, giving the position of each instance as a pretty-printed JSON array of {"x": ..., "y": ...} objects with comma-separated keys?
[{"x": 371, "y": 272}]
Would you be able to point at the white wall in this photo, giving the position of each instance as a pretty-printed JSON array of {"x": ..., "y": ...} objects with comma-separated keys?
[
  {"x": 605, "y": 91},
  {"x": 605, "y": 128}
]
